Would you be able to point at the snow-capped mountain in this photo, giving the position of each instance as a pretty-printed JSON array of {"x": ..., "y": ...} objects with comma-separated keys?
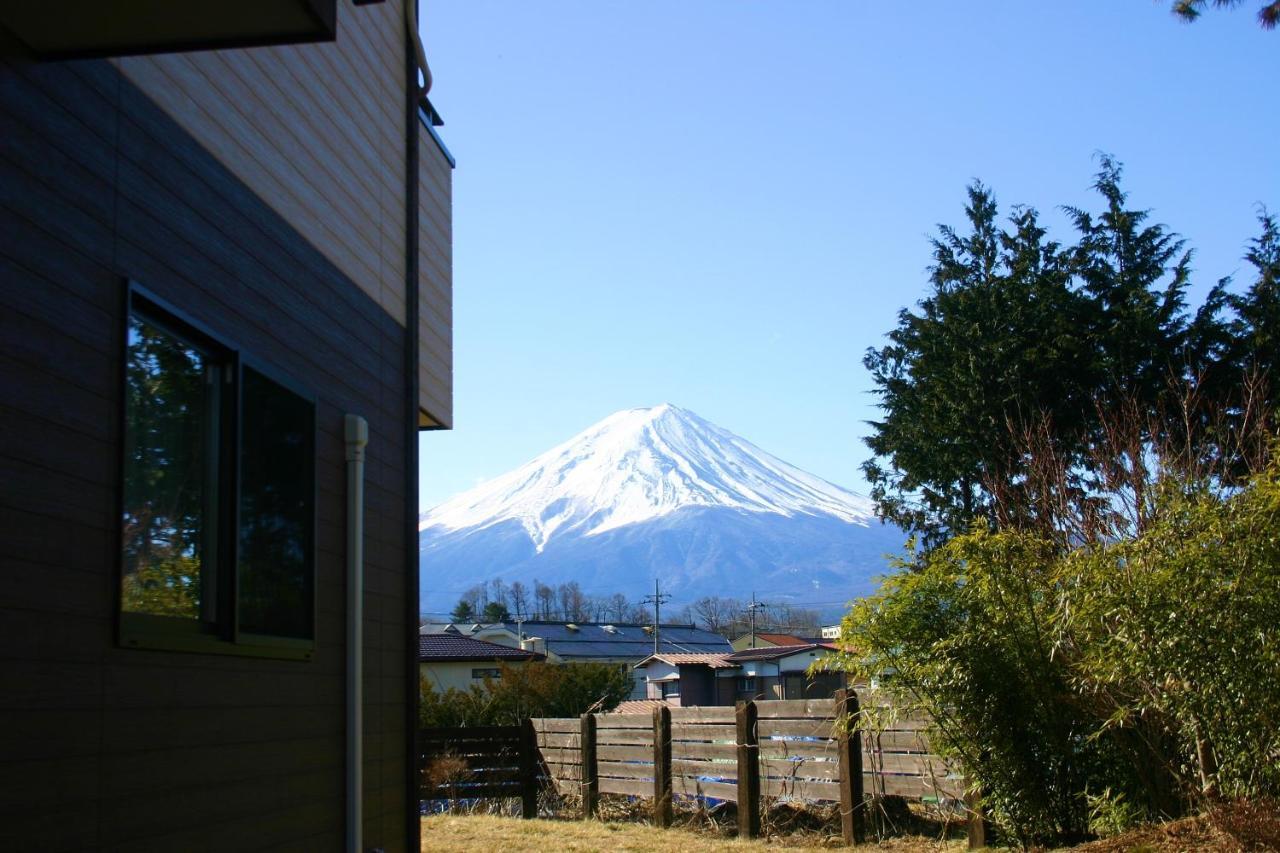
[{"x": 657, "y": 492}]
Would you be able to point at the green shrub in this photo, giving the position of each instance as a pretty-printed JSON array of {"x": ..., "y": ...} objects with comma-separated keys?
[
  {"x": 1147, "y": 666},
  {"x": 526, "y": 690}
]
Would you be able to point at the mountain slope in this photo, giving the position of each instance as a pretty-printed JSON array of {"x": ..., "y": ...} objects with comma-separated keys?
[{"x": 657, "y": 492}]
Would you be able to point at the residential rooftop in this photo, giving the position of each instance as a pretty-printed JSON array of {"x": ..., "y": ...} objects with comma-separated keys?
[{"x": 453, "y": 647}]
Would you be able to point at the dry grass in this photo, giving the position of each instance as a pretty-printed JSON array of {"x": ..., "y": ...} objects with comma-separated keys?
[
  {"x": 470, "y": 833},
  {"x": 1230, "y": 828}
]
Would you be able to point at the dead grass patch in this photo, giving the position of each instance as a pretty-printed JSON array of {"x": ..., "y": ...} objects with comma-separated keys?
[{"x": 1241, "y": 827}]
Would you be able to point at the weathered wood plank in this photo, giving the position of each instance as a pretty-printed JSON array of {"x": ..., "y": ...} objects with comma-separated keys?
[
  {"x": 693, "y": 768},
  {"x": 902, "y": 762},
  {"x": 614, "y": 752},
  {"x": 624, "y": 770},
  {"x": 685, "y": 749},
  {"x": 702, "y": 715},
  {"x": 798, "y": 749},
  {"x": 803, "y": 769},
  {"x": 630, "y": 787},
  {"x": 801, "y": 789},
  {"x": 686, "y": 786},
  {"x": 822, "y": 728},
  {"x": 912, "y": 787},
  {"x": 567, "y": 741},
  {"x": 625, "y": 736},
  {"x": 803, "y": 708},
  {"x": 702, "y": 731}
]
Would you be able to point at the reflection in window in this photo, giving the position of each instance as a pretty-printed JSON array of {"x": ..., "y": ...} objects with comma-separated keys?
[
  {"x": 276, "y": 515},
  {"x": 170, "y": 500}
]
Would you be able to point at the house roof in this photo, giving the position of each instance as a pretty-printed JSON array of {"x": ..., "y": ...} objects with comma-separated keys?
[
  {"x": 710, "y": 659},
  {"x": 629, "y": 641},
  {"x": 450, "y": 647},
  {"x": 637, "y": 706},
  {"x": 775, "y": 652}
]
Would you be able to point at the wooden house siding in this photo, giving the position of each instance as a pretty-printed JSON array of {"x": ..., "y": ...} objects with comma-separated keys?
[
  {"x": 317, "y": 130},
  {"x": 173, "y": 173}
]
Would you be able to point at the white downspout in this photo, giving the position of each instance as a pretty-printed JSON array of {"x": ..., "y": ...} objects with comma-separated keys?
[{"x": 357, "y": 436}]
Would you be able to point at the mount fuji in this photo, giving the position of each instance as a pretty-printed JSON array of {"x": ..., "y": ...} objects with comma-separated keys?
[{"x": 658, "y": 493}]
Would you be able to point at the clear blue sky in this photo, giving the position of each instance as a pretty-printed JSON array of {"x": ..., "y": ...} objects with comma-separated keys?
[{"x": 723, "y": 204}]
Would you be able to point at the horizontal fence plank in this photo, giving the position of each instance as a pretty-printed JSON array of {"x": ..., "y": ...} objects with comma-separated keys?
[
  {"x": 615, "y": 752},
  {"x": 800, "y": 789},
  {"x": 804, "y": 708},
  {"x": 797, "y": 748},
  {"x": 896, "y": 741},
  {"x": 718, "y": 769},
  {"x": 902, "y": 762},
  {"x": 907, "y": 724},
  {"x": 624, "y": 770},
  {"x": 630, "y": 787},
  {"x": 623, "y": 721},
  {"x": 692, "y": 787},
  {"x": 703, "y": 715},
  {"x": 624, "y": 736},
  {"x": 703, "y": 731},
  {"x": 561, "y": 740},
  {"x": 561, "y": 725},
  {"x": 686, "y": 749},
  {"x": 820, "y": 728},
  {"x": 468, "y": 792},
  {"x": 560, "y": 754},
  {"x": 911, "y": 787},
  {"x": 803, "y": 769}
]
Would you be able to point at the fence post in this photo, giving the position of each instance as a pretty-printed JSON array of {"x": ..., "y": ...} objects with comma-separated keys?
[
  {"x": 853, "y": 814},
  {"x": 528, "y": 770},
  {"x": 590, "y": 781},
  {"x": 662, "y": 766},
  {"x": 977, "y": 823},
  {"x": 748, "y": 772}
]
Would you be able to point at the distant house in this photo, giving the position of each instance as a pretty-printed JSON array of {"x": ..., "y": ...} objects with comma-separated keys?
[
  {"x": 767, "y": 640},
  {"x": 619, "y": 643},
  {"x": 454, "y": 661},
  {"x": 775, "y": 672}
]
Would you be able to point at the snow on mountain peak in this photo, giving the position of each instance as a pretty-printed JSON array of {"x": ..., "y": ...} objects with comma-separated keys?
[{"x": 641, "y": 464}]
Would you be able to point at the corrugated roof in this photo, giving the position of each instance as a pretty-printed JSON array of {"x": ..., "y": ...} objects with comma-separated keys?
[
  {"x": 713, "y": 660},
  {"x": 637, "y": 706},
  {"x": 772, "y": 652},
  {"x": 628, "y": 641},
  {"x": 442, "y": 647}
]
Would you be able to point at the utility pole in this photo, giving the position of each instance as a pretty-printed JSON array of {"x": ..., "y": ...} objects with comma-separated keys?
[
  {"x": 752, "y": 608},
  {"x": 657, "y": 600}
]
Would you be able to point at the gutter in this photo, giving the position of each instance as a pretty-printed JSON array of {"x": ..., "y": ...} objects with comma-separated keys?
[
  {"x": 414, "y": 58},
  {"x": 356, "y": 432}
]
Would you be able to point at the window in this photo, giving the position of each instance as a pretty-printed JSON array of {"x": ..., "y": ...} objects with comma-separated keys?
[
  {"x": 218, "y": 503},
  {"x": 670, "y": 689},
  {"x": 486, "y": 673},
  {"x": 747, "y": 685}
]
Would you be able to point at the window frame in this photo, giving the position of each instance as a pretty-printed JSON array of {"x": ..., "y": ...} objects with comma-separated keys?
[{"x": 223, "y": 635}]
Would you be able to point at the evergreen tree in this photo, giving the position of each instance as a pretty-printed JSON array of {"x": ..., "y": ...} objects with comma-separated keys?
[{"x": 463, "y": 612}]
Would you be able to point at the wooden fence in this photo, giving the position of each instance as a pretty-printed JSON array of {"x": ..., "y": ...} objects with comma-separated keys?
[
  {"x": 481, "y": 762},
  {"x": 787, "y": 749}
]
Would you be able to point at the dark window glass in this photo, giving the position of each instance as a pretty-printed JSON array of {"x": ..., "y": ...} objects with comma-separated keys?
[
  {"x": 277, "y": 437},
  {"x": 486, "y": 673},
  {"x": 170, "y": 474}
]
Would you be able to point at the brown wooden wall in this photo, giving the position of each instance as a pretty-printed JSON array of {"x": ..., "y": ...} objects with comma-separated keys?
[
  {"x": 102, "y": 746},
  {"x": 435, "y": 279}
]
